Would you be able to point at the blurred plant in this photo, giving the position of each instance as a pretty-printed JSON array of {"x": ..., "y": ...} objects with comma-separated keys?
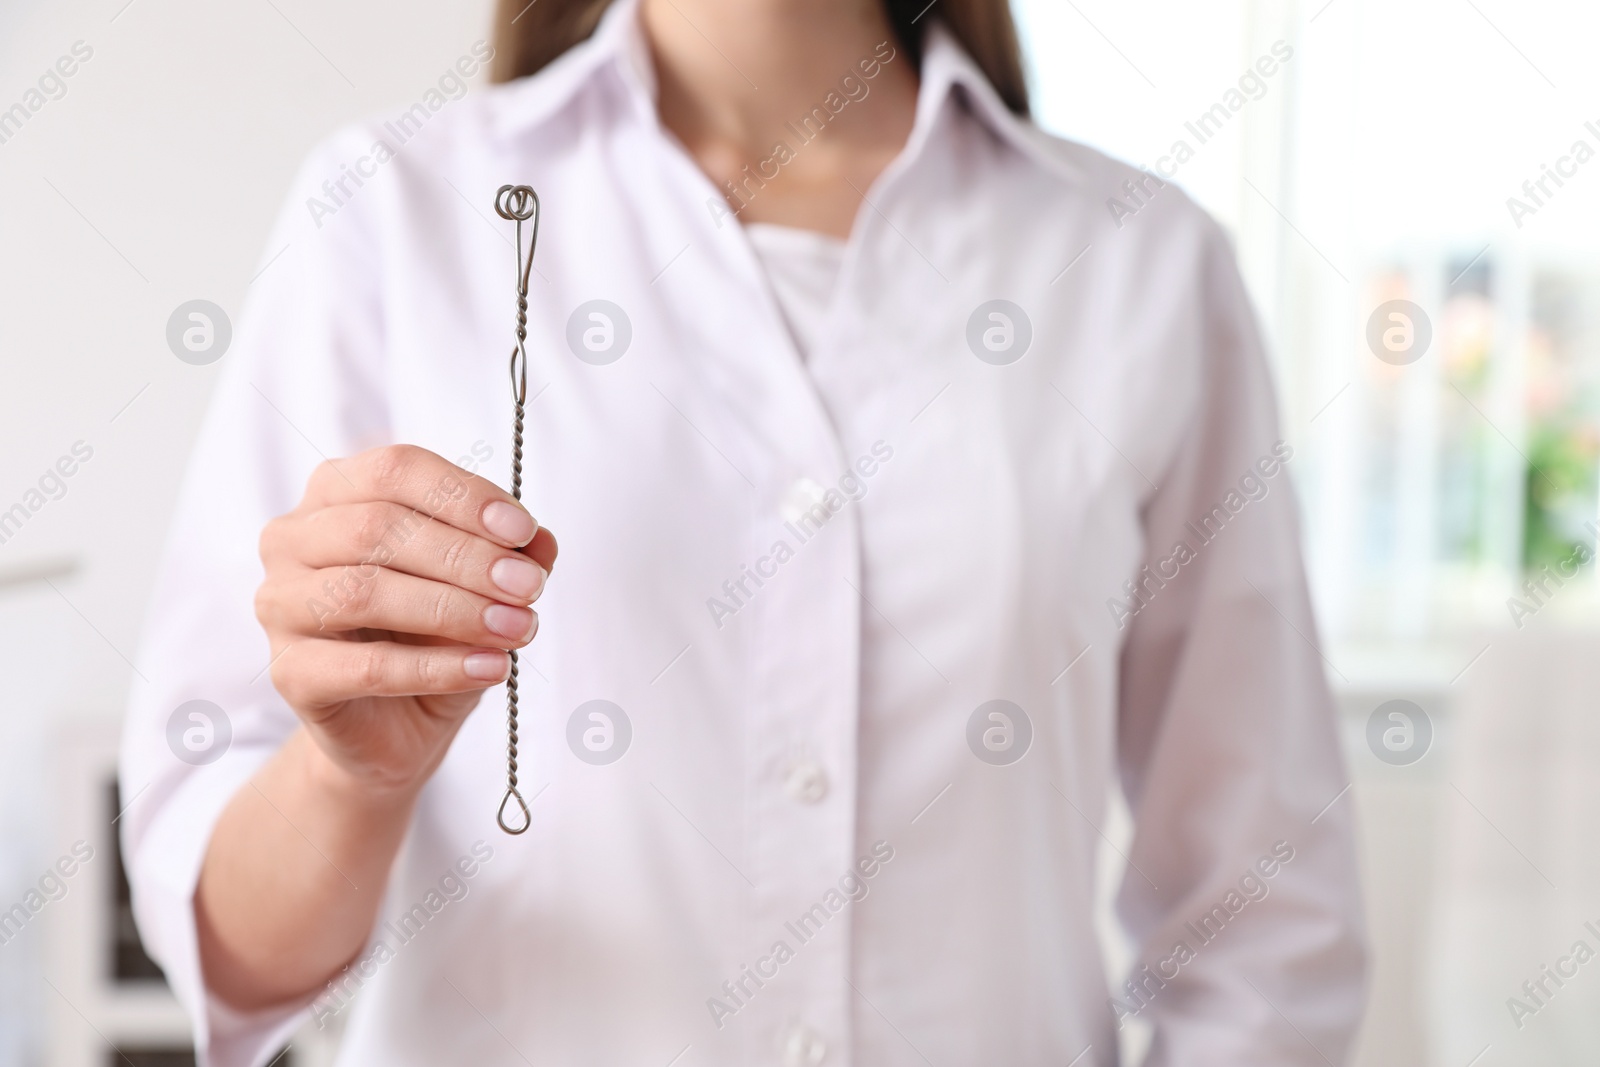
[{"x": 1559, "y": 489}]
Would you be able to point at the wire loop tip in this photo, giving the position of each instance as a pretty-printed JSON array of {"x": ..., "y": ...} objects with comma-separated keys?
[{"x": 527, "y": 816}]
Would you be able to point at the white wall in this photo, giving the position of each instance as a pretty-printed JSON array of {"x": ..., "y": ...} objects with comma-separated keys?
[{"x": 151, "y": 182}]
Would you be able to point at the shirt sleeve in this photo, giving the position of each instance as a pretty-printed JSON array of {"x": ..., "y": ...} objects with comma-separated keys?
[
  {"x": 299, "y": 383},
  {"x": 1242, "y": 894}
]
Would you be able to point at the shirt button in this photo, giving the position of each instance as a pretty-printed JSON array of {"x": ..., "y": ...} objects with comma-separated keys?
[
  {"x": 806, "y": 782},
  {"x": 801, "y": 1046},
  {"x": 802, "y": 496}
]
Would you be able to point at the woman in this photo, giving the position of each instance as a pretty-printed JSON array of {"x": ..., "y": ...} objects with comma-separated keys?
[{"x": 909, "y": 503}]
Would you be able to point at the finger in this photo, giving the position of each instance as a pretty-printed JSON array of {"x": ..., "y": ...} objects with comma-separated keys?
[
  {"x": 543, "y": 549},
  {"x": 343, "y": 599},
  {"x": 427, "y": 483},
  {"x": 316, "y": 673},
  {"x": 396, "y": 537}
]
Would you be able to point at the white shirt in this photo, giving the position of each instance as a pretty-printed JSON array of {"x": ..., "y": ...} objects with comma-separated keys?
[
  {"x": 803, "y": 584},
  {"x": 802, "y": 267}
]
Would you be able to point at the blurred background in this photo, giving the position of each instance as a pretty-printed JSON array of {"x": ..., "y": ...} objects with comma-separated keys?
[{"x": 1436, "y": 153}]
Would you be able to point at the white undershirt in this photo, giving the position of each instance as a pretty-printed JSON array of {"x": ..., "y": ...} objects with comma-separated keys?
[{"x": 802, "y": 267}]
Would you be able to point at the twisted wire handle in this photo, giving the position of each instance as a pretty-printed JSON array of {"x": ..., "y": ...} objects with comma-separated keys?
[{"x": 517, "y": 203}]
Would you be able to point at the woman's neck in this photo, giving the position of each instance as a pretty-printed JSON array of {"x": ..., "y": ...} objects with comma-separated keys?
[{"x": 792, "y": 107}]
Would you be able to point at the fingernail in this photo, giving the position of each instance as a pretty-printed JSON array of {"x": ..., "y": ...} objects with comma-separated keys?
[
  {"x": 509, "y": 523},
  {"x": 517, "y": 576},
  {"x": 509, "y": 622},
  {"x": 487, "y": 666}
]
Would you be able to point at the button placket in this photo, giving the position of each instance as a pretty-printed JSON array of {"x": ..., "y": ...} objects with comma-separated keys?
[{"x": 805, "y": 644}]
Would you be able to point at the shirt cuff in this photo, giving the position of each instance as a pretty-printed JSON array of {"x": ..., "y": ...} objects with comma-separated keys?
[{"x": 164, "y": 873}]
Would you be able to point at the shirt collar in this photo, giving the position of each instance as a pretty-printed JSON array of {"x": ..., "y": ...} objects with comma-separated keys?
[
  {"x": 618, "y": 49},
  {"x": 950, "y": 76}
]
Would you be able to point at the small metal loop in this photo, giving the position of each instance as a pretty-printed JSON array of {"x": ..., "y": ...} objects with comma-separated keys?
[
  {"x": 517, "y": 202},
  {"x": 527, "y": 817},
  {"x": 520, "y": 203},
  {"x": 519, "y": 375}
]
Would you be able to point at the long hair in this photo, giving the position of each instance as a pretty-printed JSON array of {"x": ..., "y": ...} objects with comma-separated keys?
[{"x": 528, "y": 36}]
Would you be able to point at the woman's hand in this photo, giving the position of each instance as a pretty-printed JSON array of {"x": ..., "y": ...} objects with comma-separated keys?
[{"x": 392, "y": 594}]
